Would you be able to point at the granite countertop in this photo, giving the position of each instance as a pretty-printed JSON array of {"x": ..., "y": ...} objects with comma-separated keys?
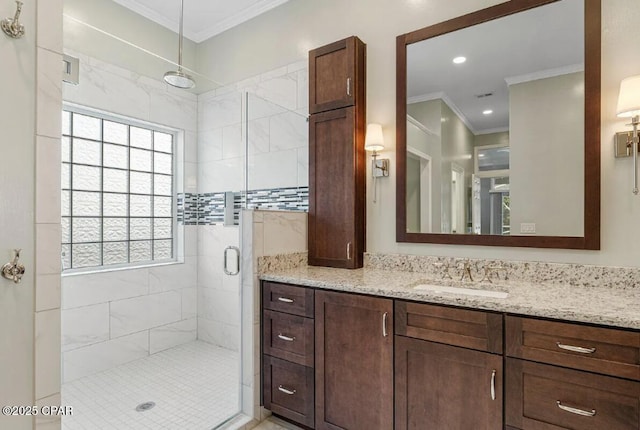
[{"x": 618, "y": 307}]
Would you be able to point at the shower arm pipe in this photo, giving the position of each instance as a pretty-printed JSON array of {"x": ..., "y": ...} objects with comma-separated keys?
[{"x": 181, "y": 35}]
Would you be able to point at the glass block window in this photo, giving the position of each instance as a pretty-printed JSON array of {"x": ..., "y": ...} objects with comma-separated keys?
[{"x": 117, "y": 192}]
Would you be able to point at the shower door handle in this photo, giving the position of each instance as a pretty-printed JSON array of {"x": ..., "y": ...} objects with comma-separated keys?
[{"x": 226, "y": 259}]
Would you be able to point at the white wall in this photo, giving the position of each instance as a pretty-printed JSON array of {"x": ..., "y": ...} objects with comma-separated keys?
[
  {"x": 18, "y": 219},
  {"x": 30, "y": 213},
  {"x": 546, "y": 118},
  {"x": 114, "y": 317},
  {"x": 284, "y": 35}
]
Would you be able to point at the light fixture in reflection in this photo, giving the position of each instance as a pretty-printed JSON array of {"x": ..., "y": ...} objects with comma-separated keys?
[
  {"x": 459, "y": 60},
  {"x": 487, "y": 112}
]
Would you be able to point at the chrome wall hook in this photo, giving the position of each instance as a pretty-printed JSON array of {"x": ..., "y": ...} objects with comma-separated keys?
[
  {"x": 12, "y": 26},
  {"x": 14, "y": 270}
]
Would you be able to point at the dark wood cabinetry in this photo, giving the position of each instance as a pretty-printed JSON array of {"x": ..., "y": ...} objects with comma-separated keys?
[
  {"x": 556, "y": 376},
  {"x": 337, "y": 75},
  {"x": 354, "y": 362},
  {"x": 342, "y": 361},
  {"x": 336, "y": 190},
  {"x": 446, "y": 387},
  {"x": 540, "y": 396},
  {"x": 288, "y": 389},
  {"x": 288, "y": 351},
  {"x": 439, "y": 385},
  {"x": 337, "y": 206}
]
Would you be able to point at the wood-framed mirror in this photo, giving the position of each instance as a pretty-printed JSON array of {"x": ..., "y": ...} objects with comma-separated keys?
[{"x": 498, "y": 127}]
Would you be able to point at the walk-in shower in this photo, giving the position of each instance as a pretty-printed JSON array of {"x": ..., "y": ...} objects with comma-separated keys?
[{"x": 150, "y": 171}]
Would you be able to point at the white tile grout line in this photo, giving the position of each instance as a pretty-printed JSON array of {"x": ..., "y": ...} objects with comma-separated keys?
[{"x": 195, "y": 387}]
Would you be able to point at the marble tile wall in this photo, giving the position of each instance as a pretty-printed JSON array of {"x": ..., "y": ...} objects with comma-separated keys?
[
  {"x": 110, "y": 318},
  {"x": 276, "y": 109},
  {"x": 264, "y": 233}
]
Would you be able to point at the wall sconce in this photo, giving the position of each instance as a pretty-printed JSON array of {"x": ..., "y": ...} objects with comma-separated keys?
[
  {"x": 626, "y": 143},
  {"x": 374, "y": 141}
]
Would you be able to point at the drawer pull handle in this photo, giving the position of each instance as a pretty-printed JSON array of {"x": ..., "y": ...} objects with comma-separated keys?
[
  {"x": 384, "y": 324},
  {"x": 493, "y": 385},
  {"x": 284, "y": 299},
  {"x": 286, "y": 391},
  {"x": 349, "y": 87},
  {"x": 579, "y": 349},
  {"x": 286, "y": 338},
  {"x": 576, "y": 411}
]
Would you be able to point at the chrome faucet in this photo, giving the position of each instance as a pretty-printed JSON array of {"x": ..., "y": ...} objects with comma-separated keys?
[{"x": 466, "y": 271}]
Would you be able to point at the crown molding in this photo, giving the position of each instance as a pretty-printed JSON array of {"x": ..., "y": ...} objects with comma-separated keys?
[
  {"x": 200, "y": 36},
  {"x": 543, "y": 74}
]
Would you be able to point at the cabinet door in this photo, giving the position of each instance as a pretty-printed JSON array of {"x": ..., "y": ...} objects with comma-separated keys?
[
  {"x": 446, "y": 387},
  {"x": 354, "y": 362},
  {"x": 336, "y": 75},
  {"x": 336, "y": 190},
  {"x": 544, "y": 397}
]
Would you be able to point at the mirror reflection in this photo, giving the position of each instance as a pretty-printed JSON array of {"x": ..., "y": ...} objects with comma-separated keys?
[{"x": 495, "y": 126}]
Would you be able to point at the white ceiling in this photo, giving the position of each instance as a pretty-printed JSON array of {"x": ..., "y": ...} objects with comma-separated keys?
[
  {"x": 542, "y": 42},
  {"x": 202, "y": 18}
]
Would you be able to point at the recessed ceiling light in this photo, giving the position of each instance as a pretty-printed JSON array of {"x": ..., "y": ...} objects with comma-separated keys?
[
  {"x": 459, "y": 60},
  {"x": 487, "y": 112}
]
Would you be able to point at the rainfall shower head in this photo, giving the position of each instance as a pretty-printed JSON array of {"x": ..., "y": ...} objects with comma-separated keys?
[{"x": 179, "y": 78}]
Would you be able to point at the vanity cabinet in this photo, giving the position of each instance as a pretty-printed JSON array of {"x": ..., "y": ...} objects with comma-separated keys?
[
  {"x": 337, "y": 206},
  {"x": 354, "y": 362},
  {"x": 342, "y": 361},
  {"x": 439, "y": 385},
  {"x": 571, "y": 376},
  {"x": 288, "y": 351}
]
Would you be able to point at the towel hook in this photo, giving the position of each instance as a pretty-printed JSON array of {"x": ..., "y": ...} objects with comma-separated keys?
[{"x": 12, "y": 26}]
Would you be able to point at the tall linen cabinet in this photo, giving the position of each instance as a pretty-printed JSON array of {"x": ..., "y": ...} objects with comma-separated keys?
[{"x": 337, "y": 188}]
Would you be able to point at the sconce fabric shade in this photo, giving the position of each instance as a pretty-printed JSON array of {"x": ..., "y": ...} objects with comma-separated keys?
[
  {"x": 629, "y": 97},
  {"x": 374, "y": 140}
]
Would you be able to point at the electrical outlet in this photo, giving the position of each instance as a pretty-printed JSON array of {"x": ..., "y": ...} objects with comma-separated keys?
[{"x": 528, "y": 228}]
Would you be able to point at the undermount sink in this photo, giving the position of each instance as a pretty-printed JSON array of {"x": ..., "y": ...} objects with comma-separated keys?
[{"x": 463, "y": 291}]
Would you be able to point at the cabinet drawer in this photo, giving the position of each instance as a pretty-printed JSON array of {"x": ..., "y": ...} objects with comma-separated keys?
[
  {"x": 287, "y": 298},
  {"x": 289, "y": 337},
  {"x": 602, "y": 350},
  {"x": 288, "y": 390},
  {"x": 541, "y": 396},
  {"x": 459, "y": 327}
]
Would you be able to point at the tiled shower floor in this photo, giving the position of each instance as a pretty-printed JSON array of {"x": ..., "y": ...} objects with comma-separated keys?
[{"x": 195, "y": 387}]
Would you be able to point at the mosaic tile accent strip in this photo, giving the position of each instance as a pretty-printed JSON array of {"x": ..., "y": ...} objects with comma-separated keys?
[
  {"x": 187, "y": 208},
  {"x": 208, "y": 208}
]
